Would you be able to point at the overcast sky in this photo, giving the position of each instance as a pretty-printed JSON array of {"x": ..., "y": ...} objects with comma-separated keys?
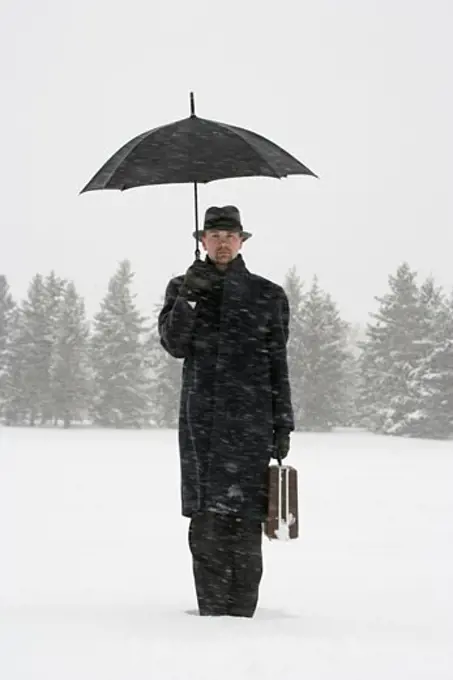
[{"x": 359, "y": 90}]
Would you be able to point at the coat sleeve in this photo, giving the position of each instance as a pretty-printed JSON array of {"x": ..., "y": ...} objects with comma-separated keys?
[
  {"x": 175, "y": 322},
  {"x": 283, "y": 416}
]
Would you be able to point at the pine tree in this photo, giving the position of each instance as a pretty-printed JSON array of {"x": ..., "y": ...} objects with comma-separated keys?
[
  {"x": 55, "y": 292},
  {"x": 165, "y": 383},
  {"x": 28, "y": 390},
  {"x": 296, "y": 349},
  {"x": 119, "y": 349},
  {"x": 36, "y": 342},
  {"x": 394, "y": 346},
  {"x": 7, "y": 309},
  {"x": 324, "y": 376},
  {"x": 70, "y": 375},
  {"x": 352, "y": 377},
  {"x": 434, "y": 375},
  {"x": 15, "y": 389}
]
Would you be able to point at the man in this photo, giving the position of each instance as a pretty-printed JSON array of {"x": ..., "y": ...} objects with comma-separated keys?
[{"x": 231, "y": 328}]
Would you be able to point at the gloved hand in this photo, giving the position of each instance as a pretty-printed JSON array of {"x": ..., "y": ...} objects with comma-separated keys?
[
  {"x": 281, "y": 444},
  {"x": 196, "y": 281}
]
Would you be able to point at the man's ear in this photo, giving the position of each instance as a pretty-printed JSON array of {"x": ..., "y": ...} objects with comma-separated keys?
[{"x": 203, "y": 242}]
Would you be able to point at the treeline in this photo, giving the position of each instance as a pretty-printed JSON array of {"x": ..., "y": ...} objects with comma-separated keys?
[{"x": 59, "y": 368}]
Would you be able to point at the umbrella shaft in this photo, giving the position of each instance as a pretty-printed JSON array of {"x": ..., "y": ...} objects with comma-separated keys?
[{"x": 195, "y": 195}]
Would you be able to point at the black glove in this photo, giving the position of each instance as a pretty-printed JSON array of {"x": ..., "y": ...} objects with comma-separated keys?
[
  {"x": 281, "y": 444},
  {"x": 196, "y": 281}
]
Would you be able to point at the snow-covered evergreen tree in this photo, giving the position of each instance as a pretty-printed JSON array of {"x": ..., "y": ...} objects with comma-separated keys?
[
  {"x": 395, "y": 344},
  {"x": 71, "y": 369},
  {"x": 324, "y": 395},
  {"x": 165, "y": 383},
  {"x": 7, "y": 311},
  {"x": 352, "y": 377},
  {"x": 54, "y": 299},
  {"x": 434, "y": 375},
  {"x": 7, "y": 307},
  {"x": 15, "y": 397},
  {"x": 121, "y": 389},
  {"x": 28, "y": 390},
  {"x": 294, "y": 289}
]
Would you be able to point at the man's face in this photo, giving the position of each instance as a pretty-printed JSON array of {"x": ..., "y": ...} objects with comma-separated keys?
[{"x": 222, "y": 246}]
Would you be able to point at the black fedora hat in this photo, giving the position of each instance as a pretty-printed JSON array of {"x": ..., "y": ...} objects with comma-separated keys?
[{"x": 226, "y": 217}]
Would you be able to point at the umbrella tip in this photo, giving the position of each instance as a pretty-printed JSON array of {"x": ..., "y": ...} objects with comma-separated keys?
[{"x": 192, "y": 104}]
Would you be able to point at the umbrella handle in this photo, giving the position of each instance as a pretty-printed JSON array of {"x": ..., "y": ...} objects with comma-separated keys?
[{"x": 197, "y": 237}]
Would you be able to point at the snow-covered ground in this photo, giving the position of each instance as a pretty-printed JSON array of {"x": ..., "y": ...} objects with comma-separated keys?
[{"x": 95, "y": 574}]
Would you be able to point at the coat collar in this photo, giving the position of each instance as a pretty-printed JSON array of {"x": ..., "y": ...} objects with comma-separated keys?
[{"x": 236, "y": 265}]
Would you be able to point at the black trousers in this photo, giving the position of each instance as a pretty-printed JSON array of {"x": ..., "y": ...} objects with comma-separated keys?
[{"x": 227, "y": 563}]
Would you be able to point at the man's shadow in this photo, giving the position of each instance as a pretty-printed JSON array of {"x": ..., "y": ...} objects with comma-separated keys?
[{"x": 260, "y": 615}]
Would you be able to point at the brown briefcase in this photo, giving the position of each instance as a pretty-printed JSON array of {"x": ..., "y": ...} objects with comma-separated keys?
[{"x": 283, "y": 507}]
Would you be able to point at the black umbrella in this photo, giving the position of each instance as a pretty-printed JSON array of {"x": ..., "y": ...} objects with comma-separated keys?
[{"x": 194, "y": 150}]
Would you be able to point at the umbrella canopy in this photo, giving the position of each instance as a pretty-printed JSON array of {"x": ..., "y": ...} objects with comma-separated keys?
[{"x": 194, "y": 150}]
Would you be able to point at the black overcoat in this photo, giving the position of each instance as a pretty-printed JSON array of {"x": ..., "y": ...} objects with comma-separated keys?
[{"x": 235, "y": 387}]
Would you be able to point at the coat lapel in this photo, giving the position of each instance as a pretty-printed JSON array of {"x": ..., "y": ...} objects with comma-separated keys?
[{"x": 235, "y": 310}]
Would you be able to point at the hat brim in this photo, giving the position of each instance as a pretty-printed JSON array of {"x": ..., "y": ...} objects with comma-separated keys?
[{"x": 244, "y": 234}]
